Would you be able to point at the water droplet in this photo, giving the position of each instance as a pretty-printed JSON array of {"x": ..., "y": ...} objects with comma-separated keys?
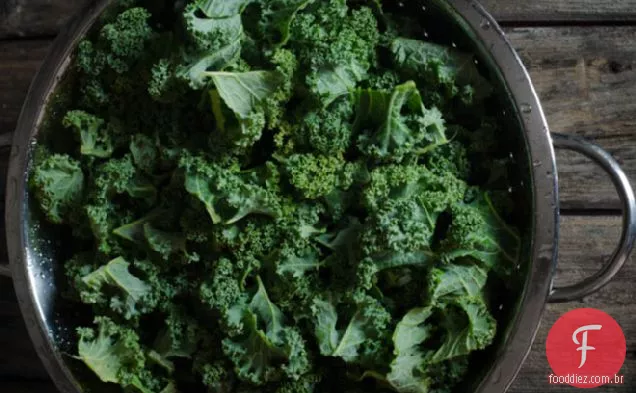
[
  {"x": 476, "y": 62},
  {"x": 500, "y": 307},
  {"x": 42, "y": 276},
  {"x": 519, "y": 267},
  {"x": 425, "y": 34},
  {"x": 509, "y": 190},
  {"x": 504, "y": 112},
  {"x": 526, "y": 108},
  {"x": 400, "y": 4},
  {"x": 423, "y": 8},
  {"x": 454, "y": 45},
  {"x": 485, "y": 24}
]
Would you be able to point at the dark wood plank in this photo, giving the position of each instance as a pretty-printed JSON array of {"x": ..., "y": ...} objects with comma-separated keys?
[
  {"x": 20, "y": 61},
  {"x": 18, "y": 359},
  {"x": 28, "y": 387},
  {"x": 561, "y": 10},
  {"x": 28, "y": 18},
  {"x": 4, "y": 166},
  {"x": 36, "y": 18},
  {"x": 586, "y": 242},
  {"x": 533, "y": 377},
  {"x": 586, "y": 78}
]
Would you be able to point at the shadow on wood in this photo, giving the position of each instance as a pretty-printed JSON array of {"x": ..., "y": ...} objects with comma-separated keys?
[{"x": 18, "y": 359}]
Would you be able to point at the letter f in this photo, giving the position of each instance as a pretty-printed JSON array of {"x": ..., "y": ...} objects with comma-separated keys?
[{"x": 584, "y": 347}]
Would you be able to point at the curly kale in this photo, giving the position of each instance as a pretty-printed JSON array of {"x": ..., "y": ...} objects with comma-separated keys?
[
  {"x": 58, "y": 182},
  {"x": 277, "y": 196}
]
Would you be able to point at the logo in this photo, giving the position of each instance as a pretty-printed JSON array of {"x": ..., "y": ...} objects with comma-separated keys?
[
  {"x": 584, "y": 348},
  {"x": 587, "y": 343}
]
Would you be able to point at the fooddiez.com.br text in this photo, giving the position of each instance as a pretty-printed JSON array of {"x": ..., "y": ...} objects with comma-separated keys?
[{"x": 585, "y": 379}]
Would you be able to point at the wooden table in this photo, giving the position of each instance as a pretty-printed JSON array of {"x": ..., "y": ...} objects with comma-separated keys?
[{"x": 582, "y": 58}]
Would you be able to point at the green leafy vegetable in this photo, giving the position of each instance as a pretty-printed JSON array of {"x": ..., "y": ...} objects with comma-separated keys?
[
  {"x": 444, "y": 66},
  {"x": 115, "y": 356},
  {"x": 95, "y": 140},
  {"x": 227, "y": 197},
  {"x": 102, "y": 354},
  {"x": 332, "y": 84},
  {"x": 478, "y": 231},
  {"x": 298, "y": 266},
  {"x": 276, "y": 18},
  {"x": 58, "y": 182},
  {"x": 333, "y": 342},
  {"x": 268, "y": 343},
  {"x": 197, "y": 72},
  {"x": 285, "y": 196},
  {"x": 243, "y": 92},
  {"x": 221, "y": 9},
  {"x": 404, "y": 125},
  {"x": 360, "y": 329},
  {"x": 115, "y": 274},
  {"x": 408, "y": 372}
]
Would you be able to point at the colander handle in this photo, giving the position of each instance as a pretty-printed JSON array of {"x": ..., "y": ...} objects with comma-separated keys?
[
  {"x": 5, "y": 141},
  {"x": 628, "y": 235}
]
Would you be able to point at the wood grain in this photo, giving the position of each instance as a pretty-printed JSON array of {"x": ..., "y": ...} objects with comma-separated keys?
[
  {"x": 585, "y": 76},
  {"x": 586, "y": 79},
  {"x": 561, "y": 10},
  {"x": 20, "y": 61},
  {"x": 586, "y": 242},
  {"x": 37, "y": 18},
  {"x": 17, "y": 356},
  {"x": 27, "y": 387}
]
